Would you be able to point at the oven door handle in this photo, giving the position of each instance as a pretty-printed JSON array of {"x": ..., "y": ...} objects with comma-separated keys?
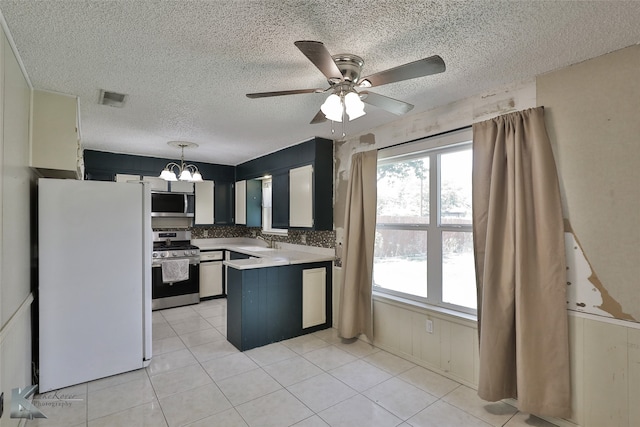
[{"x": 154, "y": 265}]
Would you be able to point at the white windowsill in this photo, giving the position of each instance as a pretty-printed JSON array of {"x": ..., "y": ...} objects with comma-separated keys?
[
  {"x": 423, "y": 307},
  {"x": 276, "y": 232}
]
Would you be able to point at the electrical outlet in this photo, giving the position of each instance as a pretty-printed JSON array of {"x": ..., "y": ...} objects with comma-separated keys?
[
  {"x": 303, "y": 239},
  {"x": 205, "y": 233},
  {"x": 430, "y": 326}
]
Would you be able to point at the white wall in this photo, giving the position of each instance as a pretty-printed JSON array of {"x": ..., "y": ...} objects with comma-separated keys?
[{"x": 15, "y": 259}]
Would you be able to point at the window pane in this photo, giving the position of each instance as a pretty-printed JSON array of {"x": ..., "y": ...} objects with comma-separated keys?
[
  {"x": 455, "y": 187},
  {"x": 458, "y": 269},
  {"x": 400, "y": 261},
  {"x": 403, "y": 192}
]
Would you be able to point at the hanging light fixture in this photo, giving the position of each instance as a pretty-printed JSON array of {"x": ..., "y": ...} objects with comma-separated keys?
[
  {"x": 344, "y": 100},
  {"x": 184, "y": 171}
]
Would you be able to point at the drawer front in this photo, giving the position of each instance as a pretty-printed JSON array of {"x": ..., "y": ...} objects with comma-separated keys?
[{"x": 211, "y": 256}]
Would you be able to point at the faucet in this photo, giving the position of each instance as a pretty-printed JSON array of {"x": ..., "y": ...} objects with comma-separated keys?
[{"x": 269, "y": 242}]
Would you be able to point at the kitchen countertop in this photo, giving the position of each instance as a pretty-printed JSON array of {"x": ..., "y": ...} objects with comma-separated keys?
[{"x": 263, "y": 256}]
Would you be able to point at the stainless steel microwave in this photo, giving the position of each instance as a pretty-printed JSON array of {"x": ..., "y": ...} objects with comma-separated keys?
[{"x": 172, "y": 204}]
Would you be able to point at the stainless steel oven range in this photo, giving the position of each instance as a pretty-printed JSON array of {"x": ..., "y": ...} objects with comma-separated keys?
[{"x": 175, "y": 270}]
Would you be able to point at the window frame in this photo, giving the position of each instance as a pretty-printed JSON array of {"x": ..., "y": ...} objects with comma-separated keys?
[{"x": 433, "y": 147}]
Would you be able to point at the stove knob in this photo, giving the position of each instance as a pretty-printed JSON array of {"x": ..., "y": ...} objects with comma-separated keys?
[
  {"x": 193, "y": 252},
  {"x": 164, "y": 254},
  {"x": 186, "y": 253},
  {"x": 174, "y": 253},
  {"x": 155, "y": 255}
]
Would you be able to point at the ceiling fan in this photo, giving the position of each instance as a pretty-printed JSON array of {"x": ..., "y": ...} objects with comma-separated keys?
[{"x": 343, "y": 72}]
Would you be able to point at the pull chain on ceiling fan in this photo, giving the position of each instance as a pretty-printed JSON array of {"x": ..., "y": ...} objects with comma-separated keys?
[{"x": 343, "y": 75}]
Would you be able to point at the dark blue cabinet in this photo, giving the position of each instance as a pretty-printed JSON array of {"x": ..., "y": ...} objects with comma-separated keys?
[
  {"x": 264, "y": 305},
  {"x": 280, "y": 200}
]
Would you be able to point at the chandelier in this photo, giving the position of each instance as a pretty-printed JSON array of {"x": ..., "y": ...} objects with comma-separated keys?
[{"x": 183, "y": 172}]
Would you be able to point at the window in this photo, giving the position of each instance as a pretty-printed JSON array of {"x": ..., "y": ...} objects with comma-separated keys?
[
  {"x": 424, "y": 242},
  {"x": 267, "y": 208}
]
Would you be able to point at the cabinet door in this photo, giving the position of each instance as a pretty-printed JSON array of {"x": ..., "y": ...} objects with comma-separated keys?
[
  {"x": 156, "y": 184},
  {"x": 123, "y": 177},
  {"x": 280, "y": 200},
  {"x": 182, "y": 187},
  {"x": 301, "y": 197},
  {"x": 241, "y": 202},
  {"x": 54, "y": 135},
  {"x": 204, "y": 203},
  {"x": 223, "y": 205},
  {"x": 314, "y": 302},
  {"x": 210, "y": 279},
  {"x": 254, "y": 203}
]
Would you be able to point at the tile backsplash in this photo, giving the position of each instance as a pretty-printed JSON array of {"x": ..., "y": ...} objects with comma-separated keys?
[{"x": 322, "y": 239}]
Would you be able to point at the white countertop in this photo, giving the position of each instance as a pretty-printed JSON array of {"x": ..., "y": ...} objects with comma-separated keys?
[{"x": 262, "y": 256}]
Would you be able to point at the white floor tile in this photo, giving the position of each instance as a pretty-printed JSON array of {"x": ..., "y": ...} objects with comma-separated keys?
[
  {"x": 166, "y": 345},
  {"x": 213, "y": 350},
  {"x": 321, "y": 392},
  {"x": 400, "y": 398},
  {"x": 274, "y": 410},
  {"x": 356, "y": 347},
  {"x": 205, "y": 336},
  {"x": 228, "y": 418},
  {"x": 147, "y": 415},
  {"x": 305, "y": 343},
  {"x": 441, "y": 414},
  {"x": 179, "y": 380},
  {"x": 63, "y": 407},
  {"x": 248, "y": 386},
  {"x": 329, "y": 357},
  {"x": 525, "y": 420},
  {"x": 314, "y": 421},
  {"x": 193, "y": 405},
  {"x": 120, "y": 397},
  {"x": 429, "y": 381},
  {"x": 291, "y": 371},
  {"x": 359, "y": 411},
  {"x": 138, "y": 374},
  {"x": 393, "y": 364},
  {"x": 190, "y": 325},
  {"x": 228, "y": 366},
  {"x": 359, "y": 375},
  {"x": 269, "y": 354},
  {"x": 494, "y": 413},
  {"x": 162, "y": 330},
  {"x": 168, "y": 361}
]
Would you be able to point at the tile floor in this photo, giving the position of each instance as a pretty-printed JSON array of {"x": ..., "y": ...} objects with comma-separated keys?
[{"x": 196, "y": 378}]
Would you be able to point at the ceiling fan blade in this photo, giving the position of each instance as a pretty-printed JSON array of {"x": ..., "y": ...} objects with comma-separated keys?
[
  {"x": 321, "y": 58},
  {"x": 318, "y": 118},
  {"x": 420, "y": 68},
  {"x": 283, "y": 92},
  {"x": 391, "y": 105}
]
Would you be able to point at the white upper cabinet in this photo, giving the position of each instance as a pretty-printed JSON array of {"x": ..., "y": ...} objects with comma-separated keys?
[
  {"x": 204, "y": 203},
  {"x": 241, "y": 202},
  {"x": 55, "y": 141},
  {"x": 301, "y": 197},
  {"x": 156, "y": 184},
  {"x": 181, "y": 187}
]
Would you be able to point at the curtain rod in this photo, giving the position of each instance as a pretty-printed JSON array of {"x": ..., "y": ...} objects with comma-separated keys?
[{"x": 425, "y": 137}]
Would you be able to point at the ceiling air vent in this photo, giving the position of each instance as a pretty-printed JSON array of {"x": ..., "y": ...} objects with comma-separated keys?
[{"x": 112, "y": 99}]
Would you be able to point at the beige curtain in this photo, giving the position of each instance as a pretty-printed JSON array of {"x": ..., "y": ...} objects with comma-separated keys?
[
  {"x": 355, "y": 314},
  {"x": 520, "y": 265}
]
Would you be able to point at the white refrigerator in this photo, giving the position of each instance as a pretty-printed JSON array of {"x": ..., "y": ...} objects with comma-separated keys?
[{"x": 94, "y": 291}]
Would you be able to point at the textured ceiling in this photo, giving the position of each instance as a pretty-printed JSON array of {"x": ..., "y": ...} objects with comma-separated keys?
[{"x": 187, "y": 65}]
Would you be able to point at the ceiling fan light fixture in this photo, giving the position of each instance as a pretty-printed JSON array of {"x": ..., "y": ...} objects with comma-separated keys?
[
  {"x": 332, "y": 108},
  {"x": 353, "y": 105}
]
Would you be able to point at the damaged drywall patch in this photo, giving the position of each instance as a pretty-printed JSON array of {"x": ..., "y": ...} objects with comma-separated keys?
[{"x": 585, "y": 291}]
